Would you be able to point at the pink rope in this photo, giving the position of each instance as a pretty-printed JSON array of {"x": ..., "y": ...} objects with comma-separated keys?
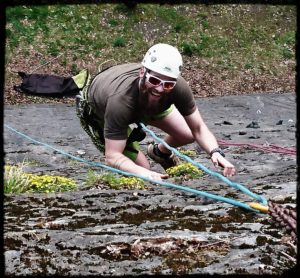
[{"x": 269, "y": 148}]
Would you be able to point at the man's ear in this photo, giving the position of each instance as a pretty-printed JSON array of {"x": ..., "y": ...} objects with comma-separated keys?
[{"x": 142, "y": 72}]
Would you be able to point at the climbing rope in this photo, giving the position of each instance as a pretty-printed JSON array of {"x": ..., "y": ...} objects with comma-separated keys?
[
  {"x": 266, "y": 147},
  {"x": 238, "y": 186},
  {"x": 163, "y": 183},
  {"x": 284, "y": 217}
]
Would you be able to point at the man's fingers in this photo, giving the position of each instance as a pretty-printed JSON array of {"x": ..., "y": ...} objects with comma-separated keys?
[
  {"x": 158, "y": 176},
  {"x": 229, "y": 171},
  {"x": 164, "y": 176},
  {"x": 215, "y": 162}
]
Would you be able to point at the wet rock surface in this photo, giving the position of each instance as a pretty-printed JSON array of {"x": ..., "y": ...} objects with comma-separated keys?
[{"x": 158, "y": 230}]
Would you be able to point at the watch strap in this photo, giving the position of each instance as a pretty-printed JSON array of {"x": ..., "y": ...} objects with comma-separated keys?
[{"x": 217, "y": 150}]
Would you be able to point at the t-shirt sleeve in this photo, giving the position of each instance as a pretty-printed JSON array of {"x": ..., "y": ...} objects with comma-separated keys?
[{"x": 183, "y": 98}]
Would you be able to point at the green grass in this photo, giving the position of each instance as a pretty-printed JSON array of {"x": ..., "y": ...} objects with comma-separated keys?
[
  {"x": 17, "y": 181},
  {"x": 113, "y": 181},
  {"x": 230, "y": 37},
  {"x": 119, "y": 42}
]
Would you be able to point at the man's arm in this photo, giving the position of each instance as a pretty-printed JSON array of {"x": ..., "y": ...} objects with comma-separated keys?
[
  {"x": 205, "y": 138},
  {"x": 114, "y": 157}
]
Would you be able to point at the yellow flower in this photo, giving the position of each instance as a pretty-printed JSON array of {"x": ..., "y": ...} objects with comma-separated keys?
[{"x": 185, "y": 169}]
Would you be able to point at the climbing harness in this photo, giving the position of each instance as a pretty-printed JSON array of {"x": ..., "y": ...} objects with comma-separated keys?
[{"x": 84, "y": 110}]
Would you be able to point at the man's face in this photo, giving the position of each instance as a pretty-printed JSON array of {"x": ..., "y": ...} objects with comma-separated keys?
[
  {"x": 154, "y": 89},
  {"x": 159, "y": 84},
  {"x": 156, "y": 85}
]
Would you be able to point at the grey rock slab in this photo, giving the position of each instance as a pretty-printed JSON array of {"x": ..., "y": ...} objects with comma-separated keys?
[{"x": 126, "y": 232}]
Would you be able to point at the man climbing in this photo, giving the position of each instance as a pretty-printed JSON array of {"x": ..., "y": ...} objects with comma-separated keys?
[{"x": 154, "y": 93}]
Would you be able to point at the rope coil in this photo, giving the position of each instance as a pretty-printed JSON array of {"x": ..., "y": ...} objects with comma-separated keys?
[{"x": 284, "y": 217}]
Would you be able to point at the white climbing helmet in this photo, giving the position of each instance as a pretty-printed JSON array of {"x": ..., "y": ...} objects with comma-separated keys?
[{"x": 164, "y": 59}]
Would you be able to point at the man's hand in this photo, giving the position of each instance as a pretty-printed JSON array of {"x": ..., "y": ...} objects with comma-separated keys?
[
  {"x": 218, "y": 160},
  {"x": 155, "y": 176}
]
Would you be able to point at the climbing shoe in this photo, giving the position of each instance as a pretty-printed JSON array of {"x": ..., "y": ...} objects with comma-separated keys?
[{"x": 166, "y": 161}]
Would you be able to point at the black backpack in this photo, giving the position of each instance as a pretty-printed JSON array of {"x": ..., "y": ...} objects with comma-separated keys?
[{"x": 51, "y": 85}]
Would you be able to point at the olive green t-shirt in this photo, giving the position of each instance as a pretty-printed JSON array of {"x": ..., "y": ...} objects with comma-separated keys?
[{"x": 114, "y": 98}]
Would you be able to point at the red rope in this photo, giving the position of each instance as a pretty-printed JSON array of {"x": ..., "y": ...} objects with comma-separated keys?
[{"x": 269, "y": 148}]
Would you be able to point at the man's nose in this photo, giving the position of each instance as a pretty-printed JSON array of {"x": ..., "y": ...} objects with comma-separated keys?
[{"x": 159, "y": 88}]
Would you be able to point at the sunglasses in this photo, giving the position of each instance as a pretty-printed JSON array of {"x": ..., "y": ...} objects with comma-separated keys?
[{"x": 155, "y": 81}]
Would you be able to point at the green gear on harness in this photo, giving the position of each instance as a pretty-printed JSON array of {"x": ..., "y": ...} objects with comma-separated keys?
[
  {"x": 82, "y": 78},
  {"x": 83, "y": 109},
  {"x": 106, "y": 65}
]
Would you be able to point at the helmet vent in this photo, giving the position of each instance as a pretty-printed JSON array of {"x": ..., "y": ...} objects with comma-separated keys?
[{"x": 153, "y": 59}]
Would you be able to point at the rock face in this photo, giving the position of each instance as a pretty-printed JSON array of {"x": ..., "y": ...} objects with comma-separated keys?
[{"x": 157, "y": 230}]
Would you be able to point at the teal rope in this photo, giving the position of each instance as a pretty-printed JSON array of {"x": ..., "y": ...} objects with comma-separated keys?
[
  {"x": 238, "y": 186},
  {"x": 166, "y": 184}
]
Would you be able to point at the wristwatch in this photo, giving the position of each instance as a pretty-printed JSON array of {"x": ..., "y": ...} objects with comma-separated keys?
[{"x": 217, "y": 150}]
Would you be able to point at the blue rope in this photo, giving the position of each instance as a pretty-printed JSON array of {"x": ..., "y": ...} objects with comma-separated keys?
[
  {"x": 238, "y": 186},
  {"x": 166, "y": 184}
]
